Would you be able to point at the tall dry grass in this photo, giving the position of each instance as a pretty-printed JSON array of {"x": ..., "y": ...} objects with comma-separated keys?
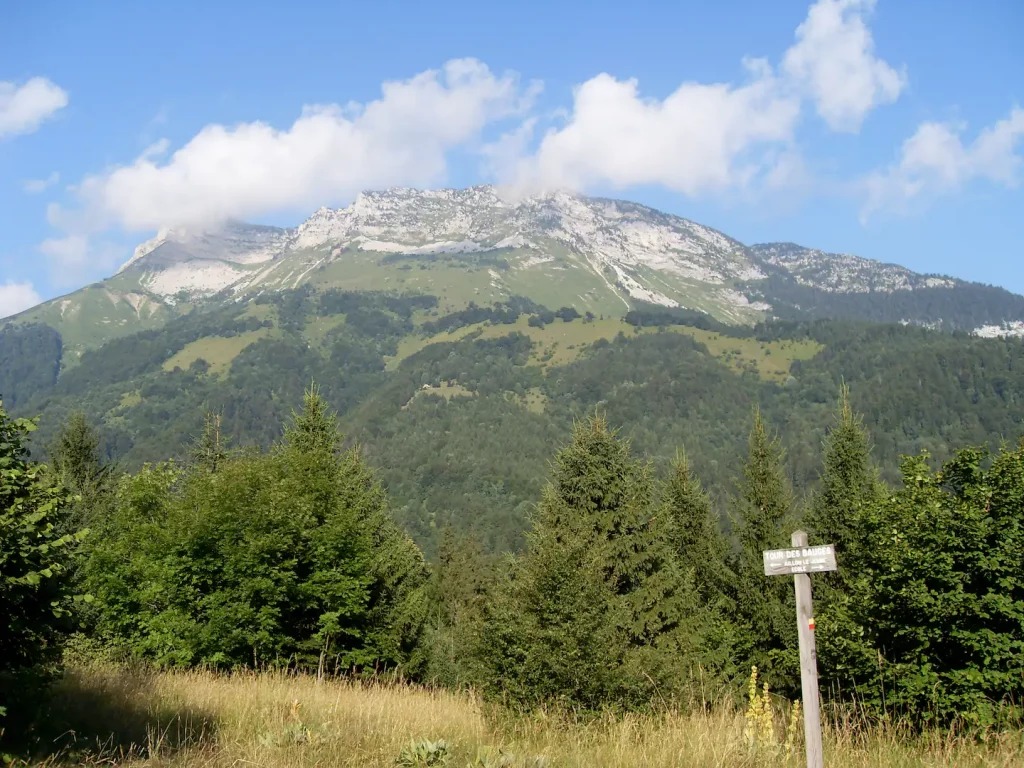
[{"x": 106, "y": 715}]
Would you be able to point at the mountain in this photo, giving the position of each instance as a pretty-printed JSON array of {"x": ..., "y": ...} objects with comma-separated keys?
[
  {"x": 478, "y": 245},
  {"x": 460, "y": 411}
]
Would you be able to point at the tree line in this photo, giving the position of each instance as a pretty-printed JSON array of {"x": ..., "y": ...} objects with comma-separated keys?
[{"x": 628, "y": 590}]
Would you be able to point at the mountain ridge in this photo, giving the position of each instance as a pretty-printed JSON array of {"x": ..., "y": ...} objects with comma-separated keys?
[{"x": 479, "y": 245}]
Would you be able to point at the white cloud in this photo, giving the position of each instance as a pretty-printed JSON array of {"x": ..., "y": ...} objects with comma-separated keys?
[
  {"x": 17, "y": 297},
  {"x": 328, "y": 155},
  {"x": 70, "y": 252},
  {"x": 714, "y": 137},
  {"x": 35, "y": 186},
  {"x": 935, "y": 161},
  {"x": 834, "y": 62},
  {"x": 698, "y": 139},
  {"x": 24, "y": 107}
]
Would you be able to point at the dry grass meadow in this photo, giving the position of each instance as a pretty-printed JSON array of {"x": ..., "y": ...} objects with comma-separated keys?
[{"x": 104, "y": 715}]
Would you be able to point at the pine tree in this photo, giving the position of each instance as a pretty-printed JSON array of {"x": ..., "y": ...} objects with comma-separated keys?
[
  {"x": 848, "y": 482},
  {"x": 597, "y": 602},
  {"x": 458, "y": 591},
  {"x": 765, "y": 604},
  {"x": 850, "y": 488},
  {"x": 315, "y": 428},
  {"x": 702, "y": 552},
  {"x": 75, "y": 459},
  {"x": 696, "y": 536},
  {"x": 210, "y": 449}
]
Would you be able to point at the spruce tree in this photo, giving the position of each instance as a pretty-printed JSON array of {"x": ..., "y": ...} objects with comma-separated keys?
[
  {"x": 289, "y": 555},
  {"x": 596, "y": 608},
  {"x": 457, "y": 593},
  {"x": 75, "y": 459},
  {"x": 766, "y": 605},
  {"x": 850, "y": 489},
  {"x": 210, "y": 449},
  {"x": 848, "y": 482},
  {"x": 702, "y": 552},
  {"x": 75, "y": 453},
  {"x": 696, "y": 535},
  {"x": 314, "y": 429}
]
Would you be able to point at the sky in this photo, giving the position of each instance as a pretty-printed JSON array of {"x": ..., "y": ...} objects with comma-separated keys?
[{"x": 892, "y": 130}]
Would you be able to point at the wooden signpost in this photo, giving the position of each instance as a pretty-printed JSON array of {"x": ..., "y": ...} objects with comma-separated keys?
[{"x": 800, "y": 561}]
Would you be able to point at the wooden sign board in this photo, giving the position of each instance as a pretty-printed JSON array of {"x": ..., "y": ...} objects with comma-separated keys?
[{"x": 785, "y": 562}]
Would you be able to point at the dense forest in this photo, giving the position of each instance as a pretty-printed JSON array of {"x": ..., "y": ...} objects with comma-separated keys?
[
  {"x": 461, "y": 431},
  {"x": 965, "y": 307},
  {"x": 628, "y": 591}
]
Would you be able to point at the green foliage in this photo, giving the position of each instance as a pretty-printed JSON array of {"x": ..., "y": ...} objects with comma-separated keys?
[
  {"x": 594, "y": 611},
  {"x": 444, "y": 462},
  {"x": 459, "y": 585},
  {"x": 75, "y": 459},
  {"x": 764, "y": 517},
  {"x": 966, "y": 307},
  {"x": 209, "y": 450},
  {"x": 30, "y": 357},
  {"x": 702, "y": 552},
  {"x": 424, "y": 753},
  {"x": 35, "y": 555},
  {"x": 946, "y": 591},
  {"x": 282, "y": 557},
  {"x": 849, "y": 488},
  {"x": 849, "y": 481},
  {"x": 694, "y": 531}
]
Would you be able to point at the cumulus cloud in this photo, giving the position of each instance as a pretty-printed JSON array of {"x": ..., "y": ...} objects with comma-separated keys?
[
  {"x": 329, "y": 154},
  {"x": 17, "y": 297},
  {"x": 833, "y": 61},
  {"x": 935, "y": 161},
  {"x": 36, "y": 186},
  {"x": 24, "y": 107},
  {"x": 712, "y": 137},
  {"x": 703, "y": 138},
  {"x": 695, "y": 140}
]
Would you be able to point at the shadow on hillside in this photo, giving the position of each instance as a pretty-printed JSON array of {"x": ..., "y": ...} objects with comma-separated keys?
[{"x": 110, "y": 714}]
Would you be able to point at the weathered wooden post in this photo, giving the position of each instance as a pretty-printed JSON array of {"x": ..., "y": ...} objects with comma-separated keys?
[{"x": 801, "y": 561}]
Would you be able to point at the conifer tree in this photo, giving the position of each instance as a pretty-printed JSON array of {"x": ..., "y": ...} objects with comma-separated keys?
[
  {"x": 597, "y": 602},
  {"x": 458, "y": 591},
  {"x": 702, "y": 552},
  {"x": 75, "y": 459},
  {"x": 210, "y": 449},
  {"x": 848, "y": 482},
  {"x": 75, "y": 453},
  {"x": 290, "y": 555},
  {"x": 697, "y": 539},
  {"x": 764, "y": 520},
  {"x": 315, "y": 428},
  {"x": 850, "y": 489}
]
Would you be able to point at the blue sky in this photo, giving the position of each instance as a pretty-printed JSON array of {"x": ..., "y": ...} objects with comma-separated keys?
[{"x": 893, "y": 130}]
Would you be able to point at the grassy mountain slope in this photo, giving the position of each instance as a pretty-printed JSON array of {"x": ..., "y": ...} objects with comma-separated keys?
[
  {"x": 475, "y": 246},
  {"x": 461, "y": 411}
]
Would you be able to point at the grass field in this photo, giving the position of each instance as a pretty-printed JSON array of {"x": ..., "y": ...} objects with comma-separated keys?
[
  {"x": 103, "y": 715},
  {"x": 559, "y": 343},
  {"x": 318, "y": 327},
  {"x": 446, "y": 390},
  {"x": 218, "y": 351}
]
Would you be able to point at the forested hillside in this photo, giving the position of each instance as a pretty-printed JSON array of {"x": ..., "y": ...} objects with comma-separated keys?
[{"x": 459, "y": 412}]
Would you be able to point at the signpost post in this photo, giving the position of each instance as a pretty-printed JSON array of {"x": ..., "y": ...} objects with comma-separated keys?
[{"x": 801, "y": 561}]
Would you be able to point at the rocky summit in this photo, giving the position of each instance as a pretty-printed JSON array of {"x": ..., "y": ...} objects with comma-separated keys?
[{"x": 484, "y": 245}]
